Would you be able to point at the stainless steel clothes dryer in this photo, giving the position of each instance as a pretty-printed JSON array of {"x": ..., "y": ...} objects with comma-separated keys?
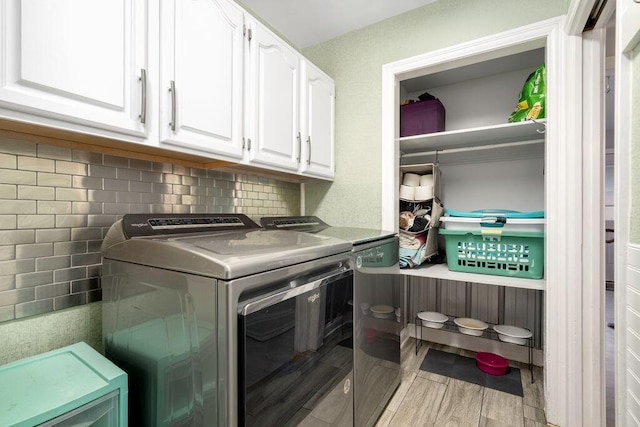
[
  {"x": 220, "y": 322},
  {"x": 379, "y": 301}
]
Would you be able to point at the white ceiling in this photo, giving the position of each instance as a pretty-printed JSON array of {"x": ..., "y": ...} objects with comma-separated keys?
[{"x": 309, "y": 22}]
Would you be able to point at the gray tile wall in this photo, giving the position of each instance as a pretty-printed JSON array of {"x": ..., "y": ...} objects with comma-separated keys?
[{"x": 56, "y": 204}]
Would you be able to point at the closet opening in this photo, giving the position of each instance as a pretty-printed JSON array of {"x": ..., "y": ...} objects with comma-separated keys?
[{"x": 609, "y": 226}]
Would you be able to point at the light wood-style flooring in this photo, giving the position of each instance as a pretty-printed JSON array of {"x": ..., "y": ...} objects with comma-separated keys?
[{"x": 427, "y": 399}]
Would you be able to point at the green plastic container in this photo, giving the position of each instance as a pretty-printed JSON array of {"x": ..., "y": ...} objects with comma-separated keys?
[
  {"x": 496, "y": 252},
  {"x": 71, "y": 386}
]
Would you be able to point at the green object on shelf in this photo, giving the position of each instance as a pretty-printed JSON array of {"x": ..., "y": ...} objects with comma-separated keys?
[
  {"x": 531, "y": 104},
  {"x": 496, "y": 252}
]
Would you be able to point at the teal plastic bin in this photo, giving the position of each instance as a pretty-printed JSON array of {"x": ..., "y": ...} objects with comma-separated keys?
[
  {"x": 505, "y": 213},
  {"x": 71, "y": 386},
  {"x": 496, "y": 252}
]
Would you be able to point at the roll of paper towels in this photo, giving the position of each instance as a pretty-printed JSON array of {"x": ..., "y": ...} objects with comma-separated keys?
[
  {"x": 423, "y": 192},
  {"x": 407, "y": 192},
  {"x": 411, "y": 179},
  {"x": 426, "y": 180}
]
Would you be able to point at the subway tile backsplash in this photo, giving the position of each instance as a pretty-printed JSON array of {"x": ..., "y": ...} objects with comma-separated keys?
[{"x": 56, "y": 204}]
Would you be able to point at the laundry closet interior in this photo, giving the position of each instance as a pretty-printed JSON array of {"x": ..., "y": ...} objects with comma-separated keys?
[{"x": 484, "y": 163}]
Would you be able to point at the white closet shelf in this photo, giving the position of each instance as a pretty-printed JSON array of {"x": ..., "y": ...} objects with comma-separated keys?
[
  {"x": 441, "y": 271},
  {"x": 504, "y": 133}
]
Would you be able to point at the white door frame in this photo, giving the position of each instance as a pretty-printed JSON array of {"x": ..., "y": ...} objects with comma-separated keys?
[
  {"x": 593, "y": 219},
  {"x": 627, "y": 255},
  {"x": 563, "y": 194},
  {"x": 593, "y": 134}
]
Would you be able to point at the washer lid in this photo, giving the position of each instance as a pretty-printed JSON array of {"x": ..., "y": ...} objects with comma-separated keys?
[
  {"x": 357, "y": 236},
  {"x": 227, "y": 255},
  {"x": 313, "y": 224}
]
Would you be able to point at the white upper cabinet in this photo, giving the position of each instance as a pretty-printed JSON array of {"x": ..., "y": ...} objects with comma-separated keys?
[
  {"x": 317, "y": 122},
  {"x": 75, "y": 60},
  {"x": 201, "y": 73},
  {"x": 273, "y": 84},
  {"x": 290, "y": 112},
  {"x": 196, "y": 77}
]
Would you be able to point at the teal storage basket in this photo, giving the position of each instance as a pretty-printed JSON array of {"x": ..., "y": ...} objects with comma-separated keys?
[{"x": 496, "y": 252}]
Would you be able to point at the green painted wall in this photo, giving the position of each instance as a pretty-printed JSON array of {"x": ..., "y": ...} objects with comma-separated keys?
[
  {"x": 355, "y": 62},
  {"x": 38, "y": 334}
]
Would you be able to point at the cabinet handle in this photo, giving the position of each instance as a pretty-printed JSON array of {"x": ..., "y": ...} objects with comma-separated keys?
[
  {"x": 143, "y": 102},
  {"x": 172, "y": 89},
  {"x": 309, "y": 151},
  {"x": 299, "y": 138}
]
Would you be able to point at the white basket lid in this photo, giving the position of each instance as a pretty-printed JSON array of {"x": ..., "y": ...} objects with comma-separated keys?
[
  {"x": 432, "y": 316},
  {"x": 505, "y": 213},
  {"x": 467, "y": 220},
  {"x": 512, "y": 331}
]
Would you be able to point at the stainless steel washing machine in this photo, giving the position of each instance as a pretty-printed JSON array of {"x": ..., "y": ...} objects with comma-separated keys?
[
  {"x": 379, "y": 301},
  {"x": 220, "y": 322}
]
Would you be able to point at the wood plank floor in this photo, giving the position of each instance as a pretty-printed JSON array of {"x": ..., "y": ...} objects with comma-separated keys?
[{"x": 427, "y": 399}]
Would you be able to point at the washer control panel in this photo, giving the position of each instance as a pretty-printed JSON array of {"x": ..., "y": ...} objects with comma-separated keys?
[{"x": 140, "y": 225}]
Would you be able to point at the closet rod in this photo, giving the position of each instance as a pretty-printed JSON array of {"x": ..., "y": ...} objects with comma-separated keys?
[{"x": 466, "y": 149}]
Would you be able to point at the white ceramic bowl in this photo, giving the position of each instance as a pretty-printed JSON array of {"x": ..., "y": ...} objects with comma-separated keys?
[
  {"x": 432, "y": 319},
  {"x": 470, "y": 326},
  {"x": 512, "y": 334},
  {"x": 382, "y": 311}
]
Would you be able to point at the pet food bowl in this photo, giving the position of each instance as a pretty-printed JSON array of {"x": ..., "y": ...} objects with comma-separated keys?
[
  {"x": 512, "y": 334},
  {"x": 470, "y": 326},
  {"x": 491, "y": 363},
  {"x": 432, "y": 319},
  {"x": 382, "y": 311}
]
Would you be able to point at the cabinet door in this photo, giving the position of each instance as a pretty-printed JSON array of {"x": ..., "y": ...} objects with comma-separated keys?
[
  {"x": 318, "y": 122},
  {"x": 201, "y": 45},
  {"x": 75, "y": 61},
  {"x": 273, "y": 101}
]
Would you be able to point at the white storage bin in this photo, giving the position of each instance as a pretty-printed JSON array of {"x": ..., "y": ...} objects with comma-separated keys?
[{"x": 493, "y": 221}]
